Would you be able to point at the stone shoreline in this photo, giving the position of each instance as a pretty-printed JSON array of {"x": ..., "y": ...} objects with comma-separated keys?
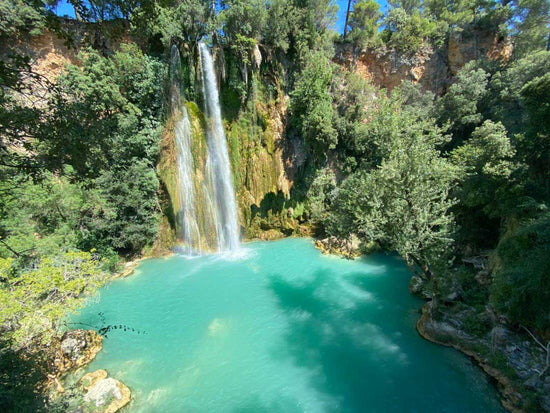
[
  {"x": 509, "y": 396},
  {"x": 519, "y": 383},
  {"x": 95, "y": 391}
]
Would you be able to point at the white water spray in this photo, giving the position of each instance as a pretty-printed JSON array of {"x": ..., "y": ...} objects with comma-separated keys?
[
  {"x": 217, "y": 164},
  {"x": 186, "y": 215}
]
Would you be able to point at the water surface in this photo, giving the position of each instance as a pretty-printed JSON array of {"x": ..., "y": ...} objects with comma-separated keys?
[{"x": 284, "y": 329}]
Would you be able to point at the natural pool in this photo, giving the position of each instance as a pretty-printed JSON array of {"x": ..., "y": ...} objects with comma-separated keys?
[{"x": 282, "y": 329}]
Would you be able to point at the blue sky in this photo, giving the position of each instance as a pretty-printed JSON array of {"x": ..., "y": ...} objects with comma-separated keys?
[
  {"x": 64, "y": 8},
  {"x": 342, "y": 7}
]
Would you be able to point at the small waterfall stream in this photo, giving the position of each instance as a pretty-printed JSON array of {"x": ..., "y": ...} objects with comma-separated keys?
[
  {"x": 206, "y": 219},
  {"x": 217, "y": 164},
  {"x": 189, "y": 232}
]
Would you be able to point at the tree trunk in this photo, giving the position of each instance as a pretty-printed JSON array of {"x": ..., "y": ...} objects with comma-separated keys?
[{"x": 347, "y": 18}]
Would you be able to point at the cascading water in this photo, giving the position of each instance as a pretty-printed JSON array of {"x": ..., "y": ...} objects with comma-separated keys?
[
  {"x": 217, "y": 165},
  {"x": 186, "y": 215}
]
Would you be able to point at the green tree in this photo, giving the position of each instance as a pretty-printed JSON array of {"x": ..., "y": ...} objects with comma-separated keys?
[
  {"x": 398, "y": 198},
  {"x": 531, "y": 26},
  {"x": 406, "y": 32},
  {"x": 460, "y": 107},
  {"x": 364, "y": 23},
  {"x": 32, "y": 305},
  {"x": 402, "y": 205},
  {"x": 521, "y": 268},
  {"x": 487, "y": 162},
  {"x": 311, "y": 104}
]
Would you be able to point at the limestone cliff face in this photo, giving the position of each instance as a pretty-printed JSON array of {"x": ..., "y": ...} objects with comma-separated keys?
[
  {"x": 433, "y": 68},
  {"x": 257, "y": 156},
  {"x": 257, "y": 153},
  {"x": 50, "y": 51}
]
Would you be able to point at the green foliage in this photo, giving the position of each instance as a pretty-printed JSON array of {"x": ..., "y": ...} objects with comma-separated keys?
[
  {"x": 353, "y": 97},
  {"x": 320, "y": 194},
  {"x": 18, "y": 17},
  {"x": 399, "y": 199},
  {"x": 521, "y": 286},
  {"x": 33, "y": 304},
  {"x": 281, "y": 24},
  {"x": 107, "y": 112},
  {"x": 459, "y": 108},
  {"x": 491, "y": 16},
  {"x": 475, "y": 325},
  {"x": 486, "y": 161},
  {"x": 364, "y": 23},
  {"x": 520, "y": 102},
  {"x": 531, "y": 26},
  {"x": 106, "y": 126},
  {"x": 406, "y": 32},
  {"x": 184, "y": 22},
  {"x": 311, "y": 104}
]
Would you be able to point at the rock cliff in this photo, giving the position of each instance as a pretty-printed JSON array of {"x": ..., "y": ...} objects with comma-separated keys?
[{"x": 433, "y": 68}]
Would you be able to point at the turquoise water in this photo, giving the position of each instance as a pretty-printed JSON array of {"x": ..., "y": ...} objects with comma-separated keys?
[{"x": 283, "y": 329}]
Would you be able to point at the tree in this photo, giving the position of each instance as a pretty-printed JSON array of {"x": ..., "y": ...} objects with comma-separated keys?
[
  {"x": 486, "y": 160},
  {"x": 402, "y": 205},
  {"x": 460, "y": 107},
  {"x": 521, "y": 287},
  {"x": 364, "y": 24},
  {"x": 531, "y": 25},
  {"x": 311, "y": 104},
  {"x": 184, "y": 23},
  {"x": 398, "y": 198},
  {"x": 33, "y": 304},
  {"x": 406, "y": 32}
]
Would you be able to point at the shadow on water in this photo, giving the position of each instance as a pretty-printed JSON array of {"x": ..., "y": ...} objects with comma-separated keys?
[
  {"x": 355, "y": 334},
  {"x": 331, "y": 337}
]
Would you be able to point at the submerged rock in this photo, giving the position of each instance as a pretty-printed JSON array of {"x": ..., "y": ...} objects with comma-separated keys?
[{"x": 105, "y": 393}]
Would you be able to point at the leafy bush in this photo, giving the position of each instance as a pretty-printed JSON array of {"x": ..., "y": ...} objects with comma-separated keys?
[{"x": 521, "y": 287}]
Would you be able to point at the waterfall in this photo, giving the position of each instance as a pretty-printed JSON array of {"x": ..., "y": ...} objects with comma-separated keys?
[
  {"x": 186, "y": 216},
  {"x": 217, "y": 164}
]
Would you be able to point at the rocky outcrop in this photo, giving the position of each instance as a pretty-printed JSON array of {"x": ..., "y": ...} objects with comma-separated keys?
[
  {"x": 347, "y": 248},
  {"x": 434, "y": 69},
  {"x": 50, "y": 51},
  {"x": 76, "y": 349},
  {"x": 104, "y": 394},
  {"x": 512, "y": 360}
]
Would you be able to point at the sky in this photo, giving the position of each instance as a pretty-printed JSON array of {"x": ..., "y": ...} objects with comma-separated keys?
[
  {"x": 342, "y": 7},
  {"x": 64, "y": 8}
]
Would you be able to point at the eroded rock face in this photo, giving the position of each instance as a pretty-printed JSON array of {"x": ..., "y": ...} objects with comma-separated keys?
[
  {"x": 434, "y": 69},
  {"x": 76, "y": 349},
  {"x": 105, "y": 393}
]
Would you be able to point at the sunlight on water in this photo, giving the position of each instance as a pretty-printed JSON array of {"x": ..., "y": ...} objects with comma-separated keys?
[{"x": 278, "y": 327}]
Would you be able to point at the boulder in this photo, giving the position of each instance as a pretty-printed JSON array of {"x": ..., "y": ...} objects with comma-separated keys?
[
  {"x": 108, "y": 394},
  {"x": 90, "y": 379},
  {"x": 76, "y": 349},
  {"x": 417, "y": 286},
  {"x": 499, "y": 336},
  {"x": 347, "y": 248}
]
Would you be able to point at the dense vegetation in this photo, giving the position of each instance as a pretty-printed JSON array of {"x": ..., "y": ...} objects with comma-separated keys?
[{"x": 435, "y": 178}]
